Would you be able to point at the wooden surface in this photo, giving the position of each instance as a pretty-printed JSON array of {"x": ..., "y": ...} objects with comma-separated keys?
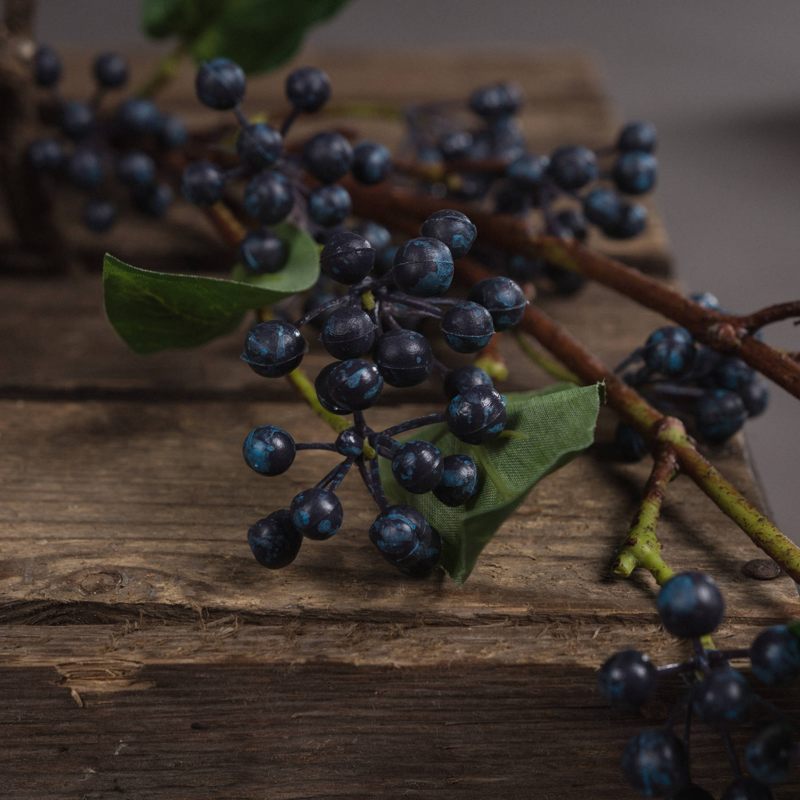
[{"x": 145, "y": 654}]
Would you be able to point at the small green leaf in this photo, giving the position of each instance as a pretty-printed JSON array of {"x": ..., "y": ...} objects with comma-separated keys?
[
  {"x": 545, "y": 430},
  {"x": 154, "y": 311}
]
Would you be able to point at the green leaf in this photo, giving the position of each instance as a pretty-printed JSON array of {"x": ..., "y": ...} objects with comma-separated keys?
[
  {"x": 545, "y": 430},
  {"x": 154, "y": 311},
  {"x": 257, "y": 34}
]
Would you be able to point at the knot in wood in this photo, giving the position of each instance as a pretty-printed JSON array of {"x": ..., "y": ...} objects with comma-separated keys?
[{"x": 100, "y": 582}]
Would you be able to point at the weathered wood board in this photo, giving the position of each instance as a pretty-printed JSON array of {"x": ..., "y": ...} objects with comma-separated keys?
[{"x": 145, "y": 654}]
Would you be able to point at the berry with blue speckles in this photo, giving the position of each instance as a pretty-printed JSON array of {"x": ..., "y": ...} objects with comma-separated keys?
[
  {"x": 269, "y": 450},
  {"x": 110, "y": 70},
  {"x": 317, "y": 513},
  {"x": 378, "y": 237},
  {"x": 263, "y": 252},
  {"x": 136, "y": 169},
  {"x": 477, "y": 415},
  {"x": 747, "y": 789},
  {"x": 629, "y": 443},
  {"x": 627, "y": 679},
  {"x": 46, "y": 155},
  {"x": 632, "y": 220},
  {"x": 603, "y": 207},
  {"x": 348, "y": 332},
  {"x": 275, "y": 542},
  {"x": 406, "y": 540},
  {"x": 349, "y": 443},
  {"x": 655, "y": 763},
  {"x": 220, "y": 84},
  {"x": 372, "y": 163},
  {"x": 775, "y": 655},
  {"x": 328, "y": 156},
  {"x": 329, "y": 205},
  {"x": 670, "y": 351},
  {"x": 769, "y": 753},
  {"x": 690, "y": 605},
  {"x": 153, "y": 200},
  {"x": 755, "y": 397},
  {"x": 732, "y": 373},
  {"x": 99, "y": 215},
  {"x": 202, "y": 183},
  {"x": 259, "y": 145},
  {"x": 46, "y": 66},
  {"x": 502, "y": 298},
  {"x": 417, "y": 466},
  {"x": 467, "y": 327},
  {"x": 355, "y": 384},
  {"x": 85, "y": 168},
  {"x": 460, "y": 379},
  {"x": 528, "y": 172},
  {"x": 308, "y": 89},
  {"x": 322, "y": 388},
  {"x": 453, "y": 228},
  {"x": 719, "y": 414},
  {"x": 724, "y": 696},
  {"x": 639, "y": 136},
  {"x": 274, "y": 348},
  {"x": 404, "y": 357},
  {"x": 347, "y": 257},
  {"x": 269, "y": 197},
  {"x": 77, "y": 119},
  {"x": 423, "y": 267},
  {"x": 138, "y": 116},
  {"x": 635, "y": 172},
  {"x": 497, "y": 100},
  {"x": 459, "y": 482},
  {"x": 572, "y": 167}
]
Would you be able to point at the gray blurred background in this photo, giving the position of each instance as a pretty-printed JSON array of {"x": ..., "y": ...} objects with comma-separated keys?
[{"x": 721, "y": 80}]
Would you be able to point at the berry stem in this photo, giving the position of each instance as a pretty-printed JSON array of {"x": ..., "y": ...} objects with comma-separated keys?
[
  {"x": 413, "y": 424},
  {"x": 766, "y": 316},
  {"x": 544, "y": 362},
  {"x": 491, "y": 361},
  {"x": 305, "y": 388}
]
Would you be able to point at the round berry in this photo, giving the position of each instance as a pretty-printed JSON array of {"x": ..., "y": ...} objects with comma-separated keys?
[
  {"x": 460, "y": 379},
  {"x": 138, "y": 116},
  {"x": 670, "y": 351},
  {"x": 569, "y": 224},
  {"x": 417, "y": 466},
  {"x": 46, "y": 155},
  {"x": 110, "y": 70},
  {"x": 348, "y": 332},
  {"x": 372, "y": 163},
  {"x": 477, "y": 415},
  {"x": 630, "y": 445},
  {"x": 719, "y": 414},
  {"x": 467, "y": 327},
  {"x": 99, "y": 215},
  {"x": 275, "y": 542},
  {"x": 498, "y": 100},
  {"x": 220, "y": 84},
  {"x": 406, "y": 540},
  {"x": 508, "y": 199},
  {"x": 775, "y": 655},
  {"x": 423, "y": 267},
  {"x": 350, "y": 443},
  {"x": 722, "y": 697},
  {"x": 172, "y": 133},
  {"x": 308, "y": 89},
  {"x": 732, "y": 373},
  {"x": 317, "y": 513},
  {"x": 202, "y": 183},
  {"x": 259, "y": 145},
  {"x": 769, "y": 753},
  {"x": 628, "y": 679},
  {"x": 528, "y": 172},
  {"x": 453, "y": 228},
  {"x": 46, "y": 66},
  {"x": 755, "y": 397},
  {"x": 153, "y": 200},
  {"x": 329, "y": 205},
  {"x": 572, "y": 167},
  {"x": 637, "y": 136},
  {"x": 747, "y": 789},
  {"x": 632, "y": 220},
  {"x": 566, "y": 282},
  {"x": 502, "y": 298},
  {"x": 455, "y": 145},
  {"x": 507, "y": 140},
  {"x": 347, "y": 257},
  {"x": 85, "y": 168},
  {"x": 355, "y": 384},
  {"x": 459, "y": 482},
  {"x": 322, "y": 388},
  {"x": 404, "y": 357},
  {"x": 328, "y": 156},
  {"x": 269, "y": 450},
  {"x": 268, "y": 197},
  {"x": 263, "y": 252},
  {"x": 77, "y": 119},
  {"x": 136, "y": 169},
  {"x": 274, "y": 348},
  {"x": 690, "y": 605},
  {"x": 655, "y": 763},
  {"x": 706, "y": 300},
  {"x": 635, "y": 172},
  {"x": 378, "y": 237},
  {"x": 603, "y": 207}
]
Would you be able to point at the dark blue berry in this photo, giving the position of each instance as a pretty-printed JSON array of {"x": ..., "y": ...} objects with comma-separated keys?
[
  {"x": 463, "y": 378},
  {"x": 275, "y": 542},
  {"x": 263, "y": 252},
  {"x": 153, "y": 200},
  {"x": 509, "y": 199},
  {"x": 99, "y": 215},
  {"x": 603, "y": 207},
  {"x": 498, "y": 100},
  {"x": 459, "y": 481},
  {"x": 456, "y": 145},
  {"x": 502, "y": 298},
  {"x": 528, "y": 172},
  {"x": 670, "y": 351},
  {"x": 403, "y": 357},
  {"x": 85, "y": 168},
  {"x": 406, "y": 540},
  {"x": 347, "y": 257},
  {"x": 274, "y": 348},
  {"x": 690, "y": 605},
  {"x": 372, "y": 163},
  {"x": 627, "y": 679},
  {"x": 747, "y": 789},
  {"x": 110, "y": 70},
  {"x": 718, "y": 415},
  {"x": 706, "y": 300},
  {"x": 350, "y": 443},
  {"x": 775, "y": 655},
  {"x": 632, "y": 220},
  {"x": 328, "y": 156},
  {"x": 467, "y": 327},
  {"x": 637, "y": 136},
  {"x": 269, "y": 197},
  {"x": 732, "y": 373},
  {"x": 724, "y": 696},
  {"x": 507, "y": 140},
  {"x": 656, "y": 764},
  {"x": 423, "y": 267},
  {"x": 453, "y": 228},
  {"x": 259, "y": 145},
  {"x": 269, "y": 450},
  {"x": 568, "y": 224},
  {"x": 378, "y": 237},
  {"x": 523, "y": 269},
  {"x": 630, "y": 445},
  {"x": 329, "y": 205},
  {"x": 354, "y": 384},
  {"x": 220, "y": 84},
  {"x": 384, "y": 259},
  {"x": 77, "y": 119},
  {"x": 46, "y": 66},
  {"x": 566, "y": 282},
  {"x": 317, "y": 513},
  {"x": 308, "y": 89},
  {"x": 202, "y": 183},
  {"x": 417, "y": 466},
  {"x": 348, "y": 332},
  {"x": 477, "y": 415},
  {"x": 172, "y": 133},
  {"x": 635, "y": 172},
  {"x": 572, "y": 167},
  {"x": 46, "y": 155},
  {"x": 137, "y": 116},
  {"x": 136, "y": 169},
  {"x": 769, "y": 754},
  {"x": 755, "y": 397},
  {"x": 322, "y": 387}
]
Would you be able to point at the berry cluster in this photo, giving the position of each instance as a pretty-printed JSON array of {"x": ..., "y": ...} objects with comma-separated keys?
[
  {"x": 714, "y": 393},
  {"x": 126, "y": 143},
  {"x": 369, "y": 331},
  {"x": 656, "y": 762},
  {"x": 277, "y": 180}
]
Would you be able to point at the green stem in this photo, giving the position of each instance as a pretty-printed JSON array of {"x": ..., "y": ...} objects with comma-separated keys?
[
  {"x": 305, "y": 388},
  {"x": 549, "y": 365},
  {"x": 164, "y": 72}
]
